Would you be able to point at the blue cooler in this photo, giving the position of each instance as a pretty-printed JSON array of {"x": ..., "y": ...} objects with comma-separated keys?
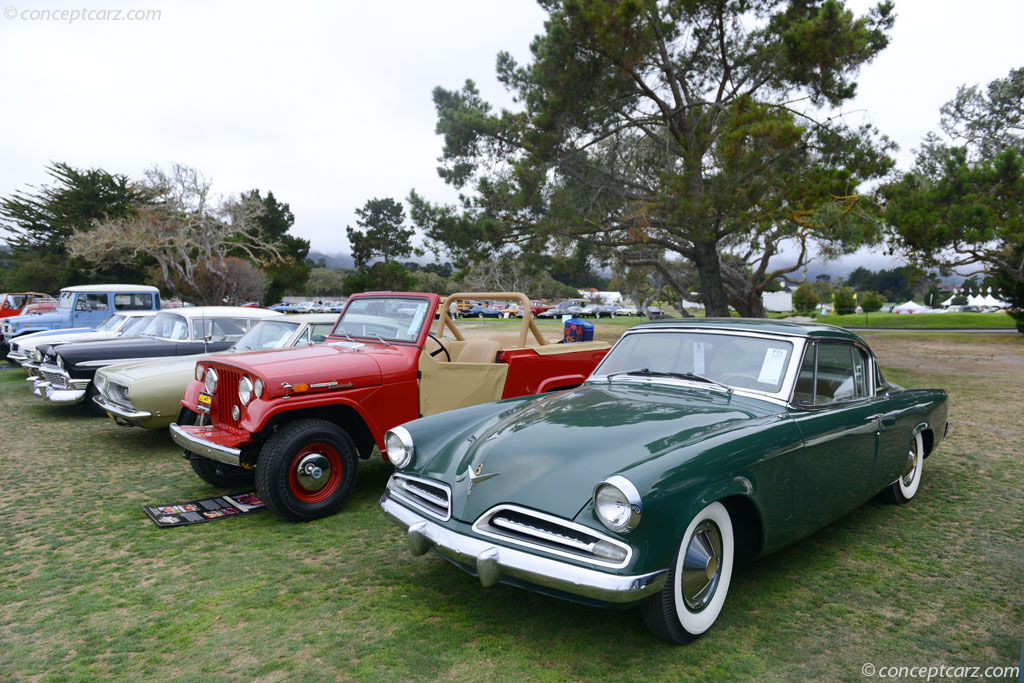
[{"x": 577, "y": 330}]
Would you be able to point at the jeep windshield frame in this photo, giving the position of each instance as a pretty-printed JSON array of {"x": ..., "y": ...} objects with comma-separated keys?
[{"x": 384, "y": 318}]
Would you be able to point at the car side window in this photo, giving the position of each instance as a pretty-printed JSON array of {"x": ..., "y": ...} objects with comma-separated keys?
[
  {"x": 320, "y": 331},
  {"x": 860, "y": 372},
  {"x": 133, "y": 302},
  {"x": 303, "y": 340},
  {"x": 804, "y": 391},
  {"x": 835, "y": 381},
  {"x": 91, "y": 302}
]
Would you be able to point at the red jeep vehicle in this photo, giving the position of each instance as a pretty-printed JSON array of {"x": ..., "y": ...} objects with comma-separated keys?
[
  {"x": 14, "y": 304},
  {"x": 298, "y": 419}
]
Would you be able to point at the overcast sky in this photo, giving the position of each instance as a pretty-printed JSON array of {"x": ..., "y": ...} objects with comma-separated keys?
[{"x": 328, "y": 104}]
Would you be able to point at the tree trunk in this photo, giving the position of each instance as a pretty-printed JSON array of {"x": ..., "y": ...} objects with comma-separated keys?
[
  {"x": 712, "y": 290},
  {"x": 749, "y": 303}
]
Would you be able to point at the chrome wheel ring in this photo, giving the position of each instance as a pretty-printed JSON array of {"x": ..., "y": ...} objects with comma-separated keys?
[
  {"x": 911, "y": 468},
  {"x": 702, "y": 566}
]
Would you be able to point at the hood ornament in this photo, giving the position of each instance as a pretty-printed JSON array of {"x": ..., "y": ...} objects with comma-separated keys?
[{"x": 475, "y": 476}]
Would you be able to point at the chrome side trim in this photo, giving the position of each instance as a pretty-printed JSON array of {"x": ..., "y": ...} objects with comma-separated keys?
[
  {"x": 111, "y": 361},
  {"x": 119, "y": 410},
  {"x": 207, "y": 449},
  {"x": 493, "y": 562}
]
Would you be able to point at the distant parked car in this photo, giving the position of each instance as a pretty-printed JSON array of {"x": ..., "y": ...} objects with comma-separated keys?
[
  {"x": 606, "y": 311},
  {"x": 81, "y": 306},
  {"x": 24, "y": 348},
  {"x": 567, "y": 307},
  {"x": 14, "y": 303},
  {"x": 969, "y": 308},
  {"x": 481, "y": 311},
  {"x": 626, "y": 310},
  {"x": 67, "y": 371}
]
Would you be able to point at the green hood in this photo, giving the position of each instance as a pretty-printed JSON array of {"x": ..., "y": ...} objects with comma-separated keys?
[{"x": 552, "y": 450}]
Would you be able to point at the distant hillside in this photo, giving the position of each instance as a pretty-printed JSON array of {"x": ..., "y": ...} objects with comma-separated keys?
[{"x": 333, "y": 260}]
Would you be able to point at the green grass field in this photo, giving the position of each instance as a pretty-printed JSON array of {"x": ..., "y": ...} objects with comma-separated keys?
[
  {"x": 90, "y": 588},
  {"x": 922, "y": 320}
]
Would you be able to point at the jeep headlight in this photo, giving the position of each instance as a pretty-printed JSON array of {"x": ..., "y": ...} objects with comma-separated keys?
[
  {"x": 199, "y": 372},
  {"x": 398, "y": 442},
  {"x": 245, "y": 390},
  {"x": 617, "y": 504},
  {"x": 210, "y": 380},
  {"x": 257, "y": 388}
]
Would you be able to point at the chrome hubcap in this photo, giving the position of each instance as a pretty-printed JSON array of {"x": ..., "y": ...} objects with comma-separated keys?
[
  {"x": 314, "y": 471},
  {"x": 702, "y": 566},
  {"x": 910, "y": 470}
]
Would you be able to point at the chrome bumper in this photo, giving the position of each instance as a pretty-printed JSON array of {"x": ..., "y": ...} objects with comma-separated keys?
[
  {"x": 492, "y": 562},
  {"x": 55, "y": 395},
  {"x": 17, "y": 357},
  {"x": 207, "y": 449},
  {"x": 120, "y": 411}
]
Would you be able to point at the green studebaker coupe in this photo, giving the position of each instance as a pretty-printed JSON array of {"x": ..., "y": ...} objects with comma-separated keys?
[
  {"x": 148, "y": 393},
  {"x": 693, "y": 444}
]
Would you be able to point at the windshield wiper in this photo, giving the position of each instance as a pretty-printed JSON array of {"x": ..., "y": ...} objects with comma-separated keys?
[
  {"x": 382, "y": 340},
  {"x": 647, "y": 372}
]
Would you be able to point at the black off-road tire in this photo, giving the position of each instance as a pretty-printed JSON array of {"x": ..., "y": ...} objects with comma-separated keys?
[{"x": 282, "y": 486}]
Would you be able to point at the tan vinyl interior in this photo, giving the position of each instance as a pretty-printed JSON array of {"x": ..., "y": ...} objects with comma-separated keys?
[{"x": 469, "y": 373}]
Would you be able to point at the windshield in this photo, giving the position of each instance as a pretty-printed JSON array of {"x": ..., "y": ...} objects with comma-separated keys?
[
  {"x": 167, "y": 326},
  {"x": 65, "y": 300},
  {"x": 735, "y": 360},
  {"x": 267, "y": 335},
  {"x": 390, "y": 318},
  {"x": 110, "y": 323},
  {"x": 135, "y": 326}
]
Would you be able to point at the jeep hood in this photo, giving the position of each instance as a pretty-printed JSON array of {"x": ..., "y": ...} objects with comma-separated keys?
[{"x": 310, "y": 365}]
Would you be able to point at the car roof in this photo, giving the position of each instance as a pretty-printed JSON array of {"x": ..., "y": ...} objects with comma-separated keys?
[
  {"x": 110, "y": 288},
  {"x": 211, "y": 311},
  {"x": 764, "y": 325}
]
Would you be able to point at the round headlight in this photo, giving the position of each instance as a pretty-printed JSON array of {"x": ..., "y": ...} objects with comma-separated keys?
[
  {"x": 210, "y": 379},
  {"x": 245, "y": 390},
  {"x": 99, "y": 381},
  {"x": 60, "y": 361},
  {"x": 617, "y": 504},
  {"x": 38, "y": 355},
  {"x": 257, "y": 388},
  {"x": 199, "y": 372},
  {"x": 398, "y": 442}
]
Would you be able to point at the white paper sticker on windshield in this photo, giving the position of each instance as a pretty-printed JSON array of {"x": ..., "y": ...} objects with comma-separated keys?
[
  {"x": 771, "y": 368},
  {"x": 698, "y": 357},
  {"x": 417, "y": 319}
]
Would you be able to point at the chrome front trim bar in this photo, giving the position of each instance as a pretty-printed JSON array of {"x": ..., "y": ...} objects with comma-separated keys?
[
  {"x": 119, "y": 410},
  {"x": 207, "y": 449},
  {"x": 492, "y": 562}
]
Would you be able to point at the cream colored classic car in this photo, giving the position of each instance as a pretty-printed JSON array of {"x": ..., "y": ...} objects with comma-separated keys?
[{"x": 148, "y": 393}]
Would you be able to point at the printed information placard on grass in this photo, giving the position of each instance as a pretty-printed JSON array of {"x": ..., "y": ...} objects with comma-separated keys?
[{"x": 206, "y": 510}]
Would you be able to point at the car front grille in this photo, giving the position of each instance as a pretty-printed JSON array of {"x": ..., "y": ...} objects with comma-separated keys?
[
  {"x": 226, "y": 397},
  {"x": 547, "y": 532},
  {"x": 55, "y": 378},
  {"x": 428, "y": 496}
]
